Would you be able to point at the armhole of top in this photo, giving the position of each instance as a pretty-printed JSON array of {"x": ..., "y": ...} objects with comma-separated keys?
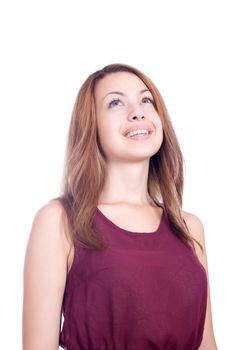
[
  {"x": 68, "y": 238},
  {"x": 75, "y": 255}
]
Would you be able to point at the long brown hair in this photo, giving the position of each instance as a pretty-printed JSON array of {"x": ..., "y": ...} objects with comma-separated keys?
[{"x": 84, "y": 170}]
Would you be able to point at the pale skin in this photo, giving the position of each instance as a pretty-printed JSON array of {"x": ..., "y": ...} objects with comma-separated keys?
[{"x": 49, "y": 252}]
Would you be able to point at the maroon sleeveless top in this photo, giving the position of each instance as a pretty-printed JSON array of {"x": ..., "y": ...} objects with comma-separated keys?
[{"x": 145, "y": 291}]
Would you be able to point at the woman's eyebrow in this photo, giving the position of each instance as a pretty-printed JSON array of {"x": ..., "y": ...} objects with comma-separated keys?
[{"x": 122, "y": 94}]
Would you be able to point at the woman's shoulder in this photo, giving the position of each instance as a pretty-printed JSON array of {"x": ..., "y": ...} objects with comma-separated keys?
[
  {"x": 196, "y": 230},
  {"x": 194, "y": 224},
  {"x": 50, "y": 223},
  {"x": 51, "y": 213},
  {"x": 53, "y": 206}
]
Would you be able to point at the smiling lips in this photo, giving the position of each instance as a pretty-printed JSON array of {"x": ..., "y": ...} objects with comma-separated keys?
[
  {"x": 138, "y": 135},
  {"x": 137, "y": 132},
  {"x": 138, "y": 129}
]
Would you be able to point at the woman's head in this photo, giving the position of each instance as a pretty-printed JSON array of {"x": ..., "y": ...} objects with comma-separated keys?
[
  {"x": 124, "y": 91},
  {"x": 128, "y": 126},
  {"x": 87, "y": 149}
]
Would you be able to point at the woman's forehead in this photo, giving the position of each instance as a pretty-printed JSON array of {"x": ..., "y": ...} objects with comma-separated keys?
[{"x": 121, "y": 81}]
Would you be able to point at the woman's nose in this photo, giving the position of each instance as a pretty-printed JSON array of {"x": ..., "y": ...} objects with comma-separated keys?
[
  {"x": 136, "y": 114},
  {"x": 138, "y": 117}
]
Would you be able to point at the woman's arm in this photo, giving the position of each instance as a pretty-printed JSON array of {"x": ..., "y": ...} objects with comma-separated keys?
[
  {"x": 45, "y": 270},
  {"x": 197, "y": 231}
]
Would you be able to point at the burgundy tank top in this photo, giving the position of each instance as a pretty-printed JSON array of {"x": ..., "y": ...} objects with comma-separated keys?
[{"x": 146, "y": 291}]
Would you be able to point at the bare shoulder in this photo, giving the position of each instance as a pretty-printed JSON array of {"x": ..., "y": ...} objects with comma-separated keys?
[
  {"x": 49, "y": 224},
  {"x": 51, "y": 212},
  {"x": 195, "y": 226},
  {"x": 197, "y": 232}
]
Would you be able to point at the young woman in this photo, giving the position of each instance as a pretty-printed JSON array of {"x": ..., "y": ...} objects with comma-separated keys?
[{"x": 115, "y": 253}]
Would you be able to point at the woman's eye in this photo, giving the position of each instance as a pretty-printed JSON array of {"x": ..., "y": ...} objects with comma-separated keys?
[
  {"x": 148, "y": 100},
  {"x": 114, "y": 103}
]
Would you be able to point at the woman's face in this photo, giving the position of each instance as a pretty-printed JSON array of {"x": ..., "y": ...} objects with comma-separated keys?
[{"x": 129, "y": 128}]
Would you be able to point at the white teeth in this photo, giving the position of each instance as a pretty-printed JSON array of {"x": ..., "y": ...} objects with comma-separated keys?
[{"x": 137, "y": 132}]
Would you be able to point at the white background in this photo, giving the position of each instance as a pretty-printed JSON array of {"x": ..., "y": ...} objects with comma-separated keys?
[{"x": 48, "y": 48}]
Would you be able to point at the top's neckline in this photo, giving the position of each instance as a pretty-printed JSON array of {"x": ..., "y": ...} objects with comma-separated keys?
[{"x": 118, "y": 228}]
